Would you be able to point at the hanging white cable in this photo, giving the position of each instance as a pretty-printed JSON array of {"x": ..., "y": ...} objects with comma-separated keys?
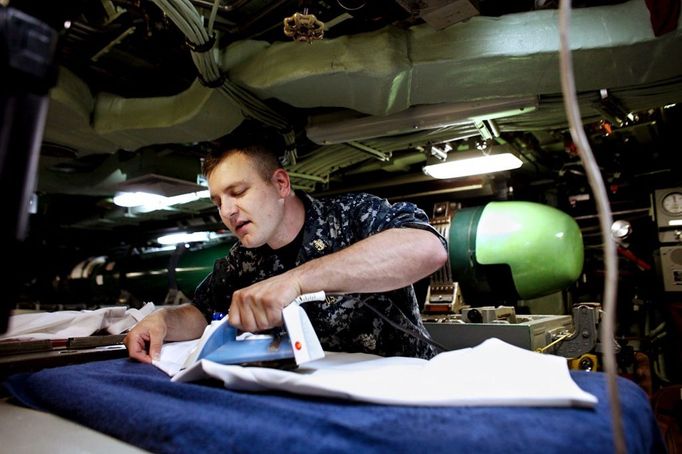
[
  {"x": 181, "y": 20},
  {"x": 190, "y": 22},
  {"x": 605, "y": 222},
  {"x": 195, "y": 19},
  {"x": 214, "y": 13}
]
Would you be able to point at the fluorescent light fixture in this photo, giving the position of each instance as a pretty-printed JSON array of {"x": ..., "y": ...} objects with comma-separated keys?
[
  {"x": 472, "y": 163},
  {"x": 186, "y": 198},
  {"x": 193, "y": 237},
  {"x": 326, "y": 129},
  {"x": 152, "y": 192},
  {"x": 135, "y": 199},
  {"x": 177, "y": 238},
  {"x": 145, "y": 202}
]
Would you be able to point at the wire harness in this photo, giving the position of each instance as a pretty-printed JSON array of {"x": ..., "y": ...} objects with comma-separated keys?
[{"x": 201, "y": 42}]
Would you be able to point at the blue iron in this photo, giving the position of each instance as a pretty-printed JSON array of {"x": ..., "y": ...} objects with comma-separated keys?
[{"x": 288, "y": 348}]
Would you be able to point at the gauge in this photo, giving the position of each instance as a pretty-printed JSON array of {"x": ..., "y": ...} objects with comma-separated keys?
[{"x": 672, "y": 203}]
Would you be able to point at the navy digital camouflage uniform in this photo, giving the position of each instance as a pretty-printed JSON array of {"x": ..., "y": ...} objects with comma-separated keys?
[{"x": 342, "y": 323}]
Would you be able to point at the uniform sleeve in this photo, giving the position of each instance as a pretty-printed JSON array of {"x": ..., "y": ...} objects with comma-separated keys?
[
  {"x": 214, "y": 293},
  {"x": 374, "y": 215}
]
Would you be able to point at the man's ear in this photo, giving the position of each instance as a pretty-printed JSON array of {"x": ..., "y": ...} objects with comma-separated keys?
[{"x": 280, "y": 178}]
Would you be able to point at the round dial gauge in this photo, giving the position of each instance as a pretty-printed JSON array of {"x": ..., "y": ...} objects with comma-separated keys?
[{"x": 672, "y": 203}]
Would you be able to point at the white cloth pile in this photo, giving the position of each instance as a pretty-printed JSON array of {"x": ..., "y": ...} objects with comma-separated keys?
[{"x": 65, "y": 324}]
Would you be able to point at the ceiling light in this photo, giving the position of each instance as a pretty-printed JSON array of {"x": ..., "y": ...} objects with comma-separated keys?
[
  {"x": 177, "y": 238},
  {"x": 135, "y": 199},
  {"x": 193, "y": 237},
  {"x": 159, "y": 184},
  {"x": 144, "y": 202},
  {"x": 152, "y": 192},
  {"x": 469, "y": 163}
]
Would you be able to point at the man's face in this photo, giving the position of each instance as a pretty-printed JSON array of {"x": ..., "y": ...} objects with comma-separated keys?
[{"x": 251, "y": 207}]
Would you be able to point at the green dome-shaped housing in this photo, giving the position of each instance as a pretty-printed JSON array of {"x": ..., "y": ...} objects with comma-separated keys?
[{"x": 542, "y": 246}]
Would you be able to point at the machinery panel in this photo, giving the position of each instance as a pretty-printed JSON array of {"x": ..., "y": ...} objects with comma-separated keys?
[
  {"x": 531, "y": 332},
  {"x": 671, "y": 268}
]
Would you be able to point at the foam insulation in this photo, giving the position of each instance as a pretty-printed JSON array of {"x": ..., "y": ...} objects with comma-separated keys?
[
  {"x": 68, "y": 117},
  {"x": 104, "y": 123},
  {"x": 196, "y": 114},
  {"x": 386, "y": 71}
]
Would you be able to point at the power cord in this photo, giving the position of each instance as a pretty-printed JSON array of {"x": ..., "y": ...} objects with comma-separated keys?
[
  {"x": 605, "y": 220},
  {"x": 415, "y": 332}
]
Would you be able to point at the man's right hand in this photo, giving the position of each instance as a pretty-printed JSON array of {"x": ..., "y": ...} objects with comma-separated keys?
[
  {"x": 259, "y": 306},
  {"x": 145, "y": 339}
]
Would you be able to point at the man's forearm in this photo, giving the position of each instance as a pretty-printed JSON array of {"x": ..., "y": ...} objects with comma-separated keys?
[
  {"x": 183, "y": 322},
  {"x": 386, "y": 261}
]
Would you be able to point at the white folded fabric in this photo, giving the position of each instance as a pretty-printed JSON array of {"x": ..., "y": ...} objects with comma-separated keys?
[
  {"x": 493, "y": 373},
  {"x": 65, "y": 324}
]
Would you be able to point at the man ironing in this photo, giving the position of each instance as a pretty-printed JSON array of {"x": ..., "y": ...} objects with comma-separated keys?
[{"x": 356, "y": 245}]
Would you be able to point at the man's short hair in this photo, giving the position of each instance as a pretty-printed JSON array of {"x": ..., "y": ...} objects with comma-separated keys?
[{"x": 262, "y": 146}]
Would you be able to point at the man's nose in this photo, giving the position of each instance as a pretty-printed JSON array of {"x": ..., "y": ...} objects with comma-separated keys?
[{"x": 228, "y": 209}]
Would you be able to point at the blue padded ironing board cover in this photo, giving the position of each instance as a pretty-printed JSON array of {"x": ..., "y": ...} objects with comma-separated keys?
[{"x": 139, "y": 404}]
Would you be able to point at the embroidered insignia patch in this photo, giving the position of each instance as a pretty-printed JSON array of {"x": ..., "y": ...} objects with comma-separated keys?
[{"x": 319, "y": 244}]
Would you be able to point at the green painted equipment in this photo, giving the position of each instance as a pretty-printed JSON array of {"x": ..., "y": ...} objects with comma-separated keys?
[{"x": 521, "y": 248}]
